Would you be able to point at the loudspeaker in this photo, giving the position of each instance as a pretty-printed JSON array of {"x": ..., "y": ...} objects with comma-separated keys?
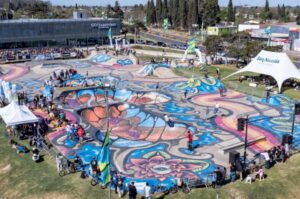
[
  {"x": 287, "y": 139},
  {"x": 234, "y": 156},
  {"x": 241, "y": 124},
  {"x": 297, "y": 109}
]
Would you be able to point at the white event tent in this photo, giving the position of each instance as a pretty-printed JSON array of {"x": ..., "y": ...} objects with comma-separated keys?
[
  {"x": 14, "y": 114},
  {"x": 277, "y": 65}
]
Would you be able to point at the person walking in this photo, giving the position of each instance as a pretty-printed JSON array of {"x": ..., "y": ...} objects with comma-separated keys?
[
  {"x": 217, "y": 107},
  {"x": 190, "y": 140},
  {"x": 147, "y": 189},
  {"x": 119, "y": 185},
  {"x": 132, "y": 191}
]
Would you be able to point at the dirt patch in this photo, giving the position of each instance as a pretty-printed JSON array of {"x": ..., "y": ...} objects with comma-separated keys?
[
  {"x": 5, "y": 169},
  {"x": 235, "y": 193}
]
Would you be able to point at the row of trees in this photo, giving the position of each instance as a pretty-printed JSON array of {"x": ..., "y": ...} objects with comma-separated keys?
[
  {"x": 240, "y": 46},
  {"x": 282, "y": 13},
  {"x": 183, "y": 13}
]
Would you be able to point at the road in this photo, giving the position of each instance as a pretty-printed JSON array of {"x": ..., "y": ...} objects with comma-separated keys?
[{"x": 162, "y": 39}]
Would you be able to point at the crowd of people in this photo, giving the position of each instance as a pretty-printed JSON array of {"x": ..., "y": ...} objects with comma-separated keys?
[
  {"x": 32, "y": 53},
  {"x": 253, "y": 171}
]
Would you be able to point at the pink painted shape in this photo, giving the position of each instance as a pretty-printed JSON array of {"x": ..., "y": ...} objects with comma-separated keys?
[
  {"x": 271, "y": 138},
  {"x": 14, "y": 73}
]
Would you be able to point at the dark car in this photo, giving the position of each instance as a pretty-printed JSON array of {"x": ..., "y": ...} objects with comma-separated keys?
[
  {"x": 151, "y": 43},
  {"x": 162, "y": 44}
]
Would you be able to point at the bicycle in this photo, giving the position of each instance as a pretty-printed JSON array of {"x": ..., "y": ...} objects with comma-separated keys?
[
  {"x": 68, "y": 168},
  {"x": 160, "y": 189},
  {"x": 95, "y": 179},
  {"x": 186, "y": 185}
]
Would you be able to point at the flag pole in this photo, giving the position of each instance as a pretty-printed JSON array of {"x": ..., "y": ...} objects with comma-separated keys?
[{"x": 107, "y": 126}]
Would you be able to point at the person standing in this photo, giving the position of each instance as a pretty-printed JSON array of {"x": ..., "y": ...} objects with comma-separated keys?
[
  {"x": 221, "y": 91},
  {"x": 217, "y": 107},
  {"x": 80, "y": 133},
  {"x": 190, "y": 140},
  {"x": 132, "y": 191},
  {"x": 119, "y": 185},
  {"x": 268, "y": 94},
  {"x": 185, "y": 93},
  {"x": 147, "y": 189},
  {"x": 232, "y": 172}
]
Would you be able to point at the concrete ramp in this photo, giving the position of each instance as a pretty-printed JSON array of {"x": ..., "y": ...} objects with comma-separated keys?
[{"x": 235, "y": 144}]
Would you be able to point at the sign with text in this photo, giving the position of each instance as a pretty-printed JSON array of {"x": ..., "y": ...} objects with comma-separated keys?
[{"x": 103, "y": 25}]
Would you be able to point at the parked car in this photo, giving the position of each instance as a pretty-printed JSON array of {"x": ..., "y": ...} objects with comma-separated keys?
[{"x": 162, "y": 44}]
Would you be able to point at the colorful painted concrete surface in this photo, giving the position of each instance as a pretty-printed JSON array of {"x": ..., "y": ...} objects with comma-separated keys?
[{"x": 143, "y": 146}]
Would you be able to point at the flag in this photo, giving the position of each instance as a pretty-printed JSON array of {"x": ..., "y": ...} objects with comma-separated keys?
[
  {"x": 166, "y": 24},
  {"x": 145, "y": 21},
  {"x": 268, "y": 33},
  {"x": 130, "y": 21},
  {"x": 109, "y": 34},
  {"x": 104, "y": 161},
  {"x": 191, "y": 45}
]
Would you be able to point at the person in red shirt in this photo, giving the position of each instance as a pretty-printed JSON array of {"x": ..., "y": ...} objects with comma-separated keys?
[
  {"x": 190, "y": 140},
  {"x": 80, "y": 133},
  {"x": 221, "y": 91}
]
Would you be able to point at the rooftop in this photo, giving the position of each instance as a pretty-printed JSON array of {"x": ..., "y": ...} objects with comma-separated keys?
[{"x": 55, "y": 20}]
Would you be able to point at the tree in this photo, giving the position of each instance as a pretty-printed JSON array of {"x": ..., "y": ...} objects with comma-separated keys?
[
  {"x": 234, "y": 13},
  {"x": 148, "y": 12},
  {"x": 279, "y": 11},
  {"x": 267, "y": 8},
  {"x": 118, "y": 12},
  {"x": 183, "y": 12},
  {"x": 212, "y": 44},
  {"x": 283, "y": 13},
  {"x": 170, "y": 13},
  {"x": 164, "y": 12},
  {"x": 175, "y": 14},
  {"x": 211, "y": 13},
  {"x": 267, "y": 14},
  {"x": 230, "y": 12},
  {"x": 158, "y": 11},
  {"x": 152, "y": 13},
  {"x": 194, "y": 9}
]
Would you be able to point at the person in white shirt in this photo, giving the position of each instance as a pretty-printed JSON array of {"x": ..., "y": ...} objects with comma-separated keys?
[
  {"x": 166, "y": 118},
  {"x": 267, "y": 159},
  {"x": 217, "y": 107},
  {"x": 147, "y": 189}
]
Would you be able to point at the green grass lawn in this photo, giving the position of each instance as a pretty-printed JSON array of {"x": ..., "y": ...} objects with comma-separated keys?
[
  {"x": 21, "y": 178},
  {"x": 232, "y": 82},
  {"x": 154, "y": 48}
]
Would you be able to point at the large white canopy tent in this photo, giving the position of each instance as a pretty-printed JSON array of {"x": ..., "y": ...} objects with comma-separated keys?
[
  {"x": 277, "y": 65},
  {"x": 14, "y": 114}
]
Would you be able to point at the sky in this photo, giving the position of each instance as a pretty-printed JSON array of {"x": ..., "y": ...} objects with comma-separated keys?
[{"x": 132, "y": 2}]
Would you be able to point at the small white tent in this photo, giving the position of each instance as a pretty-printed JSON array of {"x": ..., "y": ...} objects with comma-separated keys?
[
  {"x": 277, "y": 65},
  {"x": 14, "y": 114}
]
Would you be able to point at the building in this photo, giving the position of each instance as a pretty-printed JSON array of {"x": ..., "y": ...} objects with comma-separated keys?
[
  {"x": 56, "y": 32},
  {"x": 286, "y": 35},
  {"x": 221, "y": 30},
  {"x": 248, "y": 27},
  {"x": 81, "y": 14}
]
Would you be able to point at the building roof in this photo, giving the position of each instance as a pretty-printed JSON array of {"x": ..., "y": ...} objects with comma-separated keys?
[{"x": 55, "y": 20}]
